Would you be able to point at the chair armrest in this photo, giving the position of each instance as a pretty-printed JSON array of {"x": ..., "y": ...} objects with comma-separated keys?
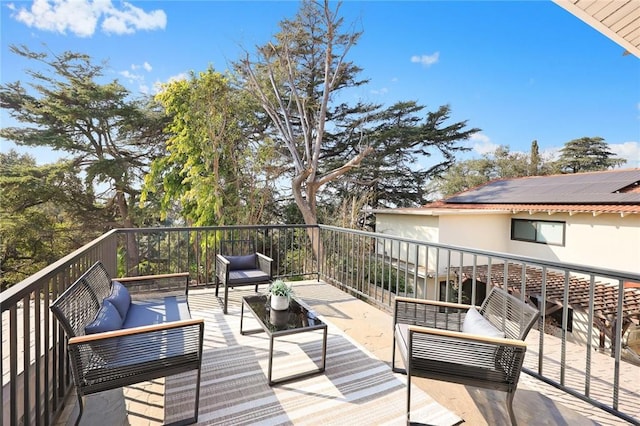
[
  {"x": 152, "y": 277},
  {"x": 153, "y": 283},
  {"x": 264, "y": 263},
  {"x": 467, "y": 337},
  {"x": 222, "y": 268},
  {"x": 97, "y": 337}
]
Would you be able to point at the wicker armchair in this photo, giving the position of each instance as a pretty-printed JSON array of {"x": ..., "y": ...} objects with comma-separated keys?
[
  {"x": 239, "y": 264},
  {"x": 432, "y": 343}
]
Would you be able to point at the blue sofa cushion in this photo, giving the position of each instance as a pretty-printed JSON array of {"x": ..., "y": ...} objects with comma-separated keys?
[
  {"x": 239, "y": 263},
  {"x": 248, "y": 276},
  {"x": 107, "y": 319},
  {"x": 120, "y": 298},
  {"x": 157, "y": 311}
]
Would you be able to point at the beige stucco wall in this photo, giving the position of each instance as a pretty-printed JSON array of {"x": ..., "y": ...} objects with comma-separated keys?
[
  {"x": 477, "y": 231},
  {"x": 414, "y": 227},
  {"x": 606, "y": 241},
  {"x": 418, "y": 227}
]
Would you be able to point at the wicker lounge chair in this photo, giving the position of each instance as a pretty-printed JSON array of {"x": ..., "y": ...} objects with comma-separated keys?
[
  {"x": 239, "y": 264},
  {"x": 433, "y": 343}
]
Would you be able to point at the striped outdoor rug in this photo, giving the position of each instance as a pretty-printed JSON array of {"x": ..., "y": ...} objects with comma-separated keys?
[{"x": 356, "y": 388}]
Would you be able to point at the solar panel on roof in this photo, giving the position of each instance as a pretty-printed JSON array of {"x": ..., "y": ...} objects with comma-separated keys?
[{"x": 590, "y": 188}]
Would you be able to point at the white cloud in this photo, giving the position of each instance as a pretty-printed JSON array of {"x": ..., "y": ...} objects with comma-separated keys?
[
  {"x": 630, "y": 151},
  {"x": 132, "y": 77},
  {"x": 482, "y": 144},
  {"x": 81, "y": 17},
  {"x": 132, "y": 18},
  {"x": 382, "y": 91},
  {"x": 426, "y": 60},
  {"x": 147, "y": 67}
]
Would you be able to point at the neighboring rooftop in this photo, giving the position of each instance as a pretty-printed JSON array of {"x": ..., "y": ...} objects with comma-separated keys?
[{"x": 608, "y": 187}]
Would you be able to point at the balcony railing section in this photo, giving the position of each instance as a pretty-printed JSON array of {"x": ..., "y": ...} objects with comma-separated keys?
[
  {"x": 585, "y": 311},
  {"x": 163, "y": 250},
  {"x": 35, "y": 369}
]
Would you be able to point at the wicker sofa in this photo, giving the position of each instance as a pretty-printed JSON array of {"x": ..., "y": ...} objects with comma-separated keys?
[
  {"x": 116, "y": 339},
  {"x": 456, "y": 343}
]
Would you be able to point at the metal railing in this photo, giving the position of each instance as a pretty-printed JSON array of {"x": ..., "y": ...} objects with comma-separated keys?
[
  {"x": 567, "y": 345},
  {"x": 372, "y": 266}
]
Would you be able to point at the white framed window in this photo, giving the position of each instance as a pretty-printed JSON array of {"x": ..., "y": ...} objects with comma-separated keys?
[{"x": 538, "y": 231}]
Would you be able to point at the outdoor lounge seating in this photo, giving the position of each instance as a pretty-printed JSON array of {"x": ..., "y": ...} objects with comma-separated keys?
[
  {"x": 455, "y": 343},
  {"x": 115, "y": 340},
  {"x": 239, "y": 264}
]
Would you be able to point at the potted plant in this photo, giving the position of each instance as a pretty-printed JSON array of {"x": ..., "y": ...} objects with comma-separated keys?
[{"x": 280, "y": 293}]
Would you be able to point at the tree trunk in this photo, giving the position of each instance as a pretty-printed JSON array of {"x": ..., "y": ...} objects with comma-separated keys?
[{"x": 307, "y": 207}]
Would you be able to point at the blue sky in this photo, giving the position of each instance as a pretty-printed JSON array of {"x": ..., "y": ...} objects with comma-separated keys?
[{"x": 518, "y": 70}]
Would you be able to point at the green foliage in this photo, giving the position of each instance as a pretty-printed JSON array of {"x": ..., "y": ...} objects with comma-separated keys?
[
  {"x": 392, "y": 176},
  {"x": 587, "y": 154},
  {"x": 280, "y": 288},
  {"x": 387, "y": 277},
  {"x": 107, "y": 135},
  {"x": 296, "y": 78},
  {"x": 212, "y": 171},
  {"x": 46, "y": 213},
  {"x": 501, "y": 164}
]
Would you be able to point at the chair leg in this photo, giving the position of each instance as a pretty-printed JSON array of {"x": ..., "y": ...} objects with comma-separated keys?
[
  {"x": 512, "y": 415},
  {"x": 393, "y": 354},
  {"x": 80, "y": 406},
  {"x": 197, "y": 401},
  {"x": 226, "y": 298},
  {"x": 408, "y": 398},
  {"x": 217, "y": 283}
]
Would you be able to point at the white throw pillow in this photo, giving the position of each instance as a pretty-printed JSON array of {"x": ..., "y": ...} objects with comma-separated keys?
[{"x": 474, "y": 323}]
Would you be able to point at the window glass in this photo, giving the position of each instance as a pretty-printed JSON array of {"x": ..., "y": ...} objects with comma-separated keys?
[
  {"x": 524, "y": 230},
  {"x": 538, "y": 231},
  {"x": 550, "y": 232}
]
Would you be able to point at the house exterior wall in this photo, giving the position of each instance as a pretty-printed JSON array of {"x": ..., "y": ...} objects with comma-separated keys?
[
  {"x": 416, "y": 227},
  {"x": 606, "y": 241},
  {"x": 477, "y": 231}
]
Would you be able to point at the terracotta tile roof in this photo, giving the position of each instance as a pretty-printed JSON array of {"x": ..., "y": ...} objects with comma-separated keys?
[
  {"x": 622, "y": 209},
  {"x": 605, "y": 295}
]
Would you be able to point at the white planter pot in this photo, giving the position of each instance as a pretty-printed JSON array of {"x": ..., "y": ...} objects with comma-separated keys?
[{"x": 279, "y": 303}]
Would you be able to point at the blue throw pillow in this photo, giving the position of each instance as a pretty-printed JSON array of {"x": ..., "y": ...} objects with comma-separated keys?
[
  {"x": 107, "y": 319},
  {"x": 239, "y": 263},
  {"x": 120, "y": 298}
]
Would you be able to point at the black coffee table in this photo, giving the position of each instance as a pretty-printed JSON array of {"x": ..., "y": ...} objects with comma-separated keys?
[{"x": 297, "y": 319}]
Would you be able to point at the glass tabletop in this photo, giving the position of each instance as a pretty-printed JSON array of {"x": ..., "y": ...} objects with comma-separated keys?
[{"x": 296, "y": 317}]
